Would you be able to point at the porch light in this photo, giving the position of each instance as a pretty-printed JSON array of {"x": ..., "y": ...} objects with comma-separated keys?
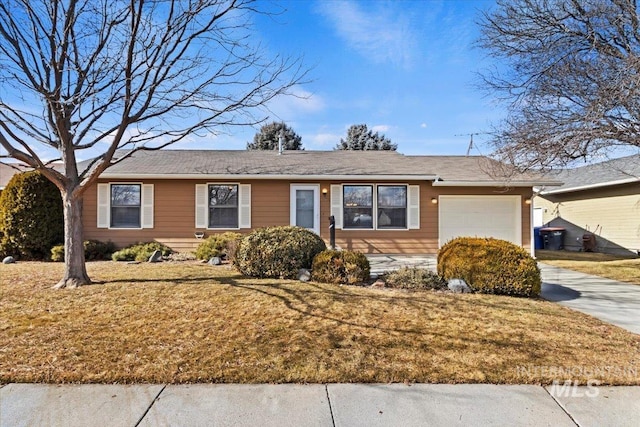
[
  {"x": 434, "y": 200},
  {"x": 527, "y": 201},
  {"x": 324, "y": 191}
]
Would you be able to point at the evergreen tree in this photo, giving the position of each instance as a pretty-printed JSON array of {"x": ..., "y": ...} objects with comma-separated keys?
[
  {"x": 359, "y": 137},
  {"x": 267, "y": 138},
  {"x": 31, "y": 220}
]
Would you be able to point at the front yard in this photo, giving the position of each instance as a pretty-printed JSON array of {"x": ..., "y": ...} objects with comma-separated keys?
[
  {"x": 623, "y": 269},
  {"x": 178, "y": 322}
]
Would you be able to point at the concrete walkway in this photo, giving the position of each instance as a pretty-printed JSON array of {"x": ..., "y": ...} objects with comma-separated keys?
[
  {"x": 381, "y": 263},
  {"x": 613, "y": 302},
  {"x": 316, "y": 405}
]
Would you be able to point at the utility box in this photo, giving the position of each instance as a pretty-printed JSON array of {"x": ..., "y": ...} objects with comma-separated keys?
[{"x": 552, "y": 238}]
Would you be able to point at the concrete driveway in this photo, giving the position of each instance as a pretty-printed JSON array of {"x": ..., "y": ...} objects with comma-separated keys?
[{"x": 613, "y": 302}]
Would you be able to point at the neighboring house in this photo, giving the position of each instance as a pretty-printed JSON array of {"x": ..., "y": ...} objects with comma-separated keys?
[
  {"x": 383, "y": 202},
  {"x": 7, "y": 171},
  {"x": 602, "y": 198}
]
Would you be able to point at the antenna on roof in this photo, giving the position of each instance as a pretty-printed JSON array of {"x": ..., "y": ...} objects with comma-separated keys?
[{"x": 470, "y": 139}]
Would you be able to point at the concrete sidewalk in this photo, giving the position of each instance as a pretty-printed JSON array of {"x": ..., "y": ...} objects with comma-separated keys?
[
  {"x": 608, "y": 300},
  {"x": 316, "y": 405}
]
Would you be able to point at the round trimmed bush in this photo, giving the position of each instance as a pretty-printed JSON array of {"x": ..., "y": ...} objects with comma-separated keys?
[
  {"x": 278, "y": 252},
  {"x": 414, "y": 278},
  {"x": 217, "y": 245},
  {"x": 490, "y": 266},
  {"x": 345, "y": 267},
  {"x": 31, "y": 218}
]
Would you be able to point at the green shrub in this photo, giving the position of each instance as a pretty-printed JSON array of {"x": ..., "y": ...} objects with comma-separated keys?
[
  {"x": 218, "y": 245},
  {"x": 57, "y": 253},
  {"x": 140, "y": 252},
  {"x": 490, "y": 266},
  {"x": 345, "y": 267},
  {"x": 31, "y": 218},
  {"x": 277, "y": 251},
  {"x": 94, "y": 250},
  {"x": 414, "y": 278}
]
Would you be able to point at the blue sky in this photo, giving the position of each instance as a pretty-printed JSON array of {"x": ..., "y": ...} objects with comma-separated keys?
[{"x": 404, "y": 68}]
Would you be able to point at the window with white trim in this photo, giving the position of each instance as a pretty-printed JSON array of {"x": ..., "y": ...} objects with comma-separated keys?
[
  {"x": 223, "y": 206},
  {"x": 357, "y": 207},
  {"x": 392, "y": 206},
  {"x": 126, "y": 206},
  {"x": 376, "y": 206}
]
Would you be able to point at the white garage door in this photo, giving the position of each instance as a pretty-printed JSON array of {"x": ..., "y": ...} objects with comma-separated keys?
[{"x": 480, "y": 216}]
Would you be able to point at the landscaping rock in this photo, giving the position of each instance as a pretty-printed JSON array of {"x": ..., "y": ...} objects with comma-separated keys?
[
  {"x": 458, "y": 286},
  {"x": 304, "y": 275},
  {"x": 373, "y": 276},
  {"x": 215, "y": 261},
  {"x": 378, "y": 284},
  {"x": 8, "y": 260},
  {"x": 156, "y": 256}
]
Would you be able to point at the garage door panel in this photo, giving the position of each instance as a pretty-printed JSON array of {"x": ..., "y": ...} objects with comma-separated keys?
[{"x": 480, "y": 216}]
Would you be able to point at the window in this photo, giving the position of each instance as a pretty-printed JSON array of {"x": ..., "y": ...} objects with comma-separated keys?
[
  {"x": 392, "y": 206},
  {"x": 358, "y": 206},
  {"x": 125, "y": 206},
  {"x": 223, "y": 206}
]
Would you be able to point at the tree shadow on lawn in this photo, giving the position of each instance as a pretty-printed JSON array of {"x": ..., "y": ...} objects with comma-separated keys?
[{"x": 307, "y": 300}]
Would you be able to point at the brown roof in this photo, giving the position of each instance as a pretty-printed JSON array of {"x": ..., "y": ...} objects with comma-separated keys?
[{"x": 341, "y": 164}]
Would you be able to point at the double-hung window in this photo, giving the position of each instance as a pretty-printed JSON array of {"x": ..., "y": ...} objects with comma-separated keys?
[
  {"x": 125, "y": 206},
  {"x": 392, "y": 206},
  {"x": 223, "y": 206}
]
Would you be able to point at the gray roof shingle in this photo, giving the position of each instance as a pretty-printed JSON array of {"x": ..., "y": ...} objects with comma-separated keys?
[
  {"x": 610, "y": 172},
  {"x": 329, "y": 164}
]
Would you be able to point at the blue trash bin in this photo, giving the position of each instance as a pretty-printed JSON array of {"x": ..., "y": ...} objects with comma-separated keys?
[{"x": 538, "y": 241}]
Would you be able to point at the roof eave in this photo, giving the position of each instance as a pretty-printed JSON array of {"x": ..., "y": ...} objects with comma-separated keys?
[
  {"x": 200, "y": 176},
  {"x": 495, "y": 183},
  {"x": 590, "y": 186}
]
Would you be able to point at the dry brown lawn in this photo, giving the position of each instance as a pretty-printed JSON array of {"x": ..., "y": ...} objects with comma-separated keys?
[
  {"x": 623, "y": 269},
  {"x": 187, "y": 322}
]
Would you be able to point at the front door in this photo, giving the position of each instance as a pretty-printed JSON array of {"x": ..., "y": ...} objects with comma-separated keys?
[{"x": 305, "y": 206}]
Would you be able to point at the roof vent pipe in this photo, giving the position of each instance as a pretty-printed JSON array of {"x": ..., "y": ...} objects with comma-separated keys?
[{"x": 280, "y": 143}]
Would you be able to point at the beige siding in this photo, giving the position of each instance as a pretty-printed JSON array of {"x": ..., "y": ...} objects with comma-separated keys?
[
  {"x": 614, "y": 211},
  {"x": 174, "y": 216}
]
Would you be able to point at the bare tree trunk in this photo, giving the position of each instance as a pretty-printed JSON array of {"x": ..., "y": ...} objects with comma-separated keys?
[{"x": 75, "y": 272}]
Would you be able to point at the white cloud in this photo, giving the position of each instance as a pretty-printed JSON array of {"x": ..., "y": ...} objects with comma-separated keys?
[
  {"x": 300, "y": 101},
  {"x": 423, "y": 125},
  {"x": 381, "y": 128},
  {"x": 324, "y": 141},
  {"x": 382, "y": 33}
]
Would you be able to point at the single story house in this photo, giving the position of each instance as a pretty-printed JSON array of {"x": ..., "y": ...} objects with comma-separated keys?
[
  {"x": 382, "y": 201},
  {"x": 602, "y": 198}
]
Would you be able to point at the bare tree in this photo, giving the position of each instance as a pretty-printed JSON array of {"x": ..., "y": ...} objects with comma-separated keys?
[
  {"x": 88, "y": 77},
  {"x": 570, "y": 73}
]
